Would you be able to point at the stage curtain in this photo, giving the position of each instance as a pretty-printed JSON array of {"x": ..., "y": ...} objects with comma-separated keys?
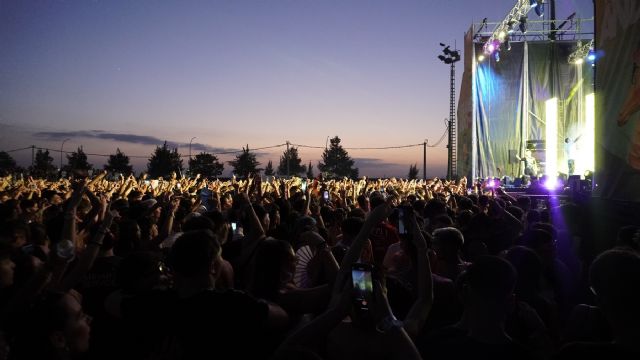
[
  {"x": 510, "y": 98},
  {"x": 498, "y": 110}
]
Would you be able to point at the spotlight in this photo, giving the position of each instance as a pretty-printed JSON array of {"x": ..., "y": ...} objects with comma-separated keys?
[
  {"x": 539, "y": 9},
  {"x": 523, "y": 24},
  {"x": 497, "y": 56},
  {"x": 533, "y": 3},
  {"x": 480, "y": 58},
  {"x": 491, "y": 48},
  {"x": 591, "y": 57},
  {"x": 578, "y": 61},
  {"x": 552, "y": 183},
  {"x": 507, "y": 44}
]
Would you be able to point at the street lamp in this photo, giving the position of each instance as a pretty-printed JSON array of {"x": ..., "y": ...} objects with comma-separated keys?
[
  {"x": 190, "y": 141},
  {"x": 61, "y": 146}
]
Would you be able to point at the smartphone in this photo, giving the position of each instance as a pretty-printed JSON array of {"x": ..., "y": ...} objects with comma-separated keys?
[
  {"x": 147, "y": 182},
  {"x": 402, "y": 230},
  {"x": 325, "y": 195},
  {"x": 304, "y": 185},
  {"x": 234, "y": 226},
  {"x": 362, "y": 289}
]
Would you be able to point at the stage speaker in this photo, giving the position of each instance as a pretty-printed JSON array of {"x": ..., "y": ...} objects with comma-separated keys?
[{"x": 513, "y": 156}]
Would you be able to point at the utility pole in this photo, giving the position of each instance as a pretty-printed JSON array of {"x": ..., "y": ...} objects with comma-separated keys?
[
  {"x": 61, "y": 146},
  {"x": 288, "y": 158},
  {"x": 190, "y": 141},
  {"x": 450, "y": 57},
  {"x": 424, "y": 160}
]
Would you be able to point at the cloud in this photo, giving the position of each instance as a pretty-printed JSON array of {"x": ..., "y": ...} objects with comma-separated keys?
[{"x": 127, "y": 138}]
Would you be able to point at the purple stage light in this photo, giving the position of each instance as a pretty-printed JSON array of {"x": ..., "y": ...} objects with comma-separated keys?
[{"x": 552, "y": 183}]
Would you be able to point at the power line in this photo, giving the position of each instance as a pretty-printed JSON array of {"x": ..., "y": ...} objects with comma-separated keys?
[
  {"x": 14, "y": 150},
  {"x": 237, "y": 151}
]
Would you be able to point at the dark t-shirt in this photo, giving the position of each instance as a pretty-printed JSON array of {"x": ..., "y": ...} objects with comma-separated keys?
[
  {"x": 452, "y": 343},
  {"x": 596, "y": 351},
  {"x": 202, "y": 326}
]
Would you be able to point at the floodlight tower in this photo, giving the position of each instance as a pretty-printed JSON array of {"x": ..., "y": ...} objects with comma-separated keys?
[{"x": 450, "y": 57}]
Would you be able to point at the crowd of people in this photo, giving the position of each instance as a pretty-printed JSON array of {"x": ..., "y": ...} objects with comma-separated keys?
[{"x": 190, "y": 268}]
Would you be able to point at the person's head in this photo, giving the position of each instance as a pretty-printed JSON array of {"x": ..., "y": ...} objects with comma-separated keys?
[
  {"x": 363, "y": 203},
  {"x": 195, "y": 254},
  {"x": 528, "y": 267},
  {"x": 350, "y": 228},
  {"x": 138, "y": 272},
  {"x": 274, "y": 267},
  {"x": 38, "y": 234},
  {"x": 488, "y": 286},
  {"x": 17, "y": 232},
  {"x": 613, "y": 276},
  {"x": 220, "y": 225},
  {"x": 542, "y": 242},
  {"x": 629, "y": 237},
  {"x": 376, "y": 199},
  {"x": 194, "y": 223},
  {"x": 447, "y": 243},
  {"x": 515, "y": 211},
  {"x": 441, "y": 221},
  {"x": 129, "y": 237},
  {"x": 263, "y": 216},
  {"x": 56, "y": 327}
]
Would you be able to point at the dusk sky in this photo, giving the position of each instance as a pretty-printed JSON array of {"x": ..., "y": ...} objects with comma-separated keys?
[{"x": 131, "y": 74}]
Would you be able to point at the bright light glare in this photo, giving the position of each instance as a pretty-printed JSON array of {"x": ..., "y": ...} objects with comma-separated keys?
[
  {"x": 480, "y": 58},
  {"x": 502, "y": 35},
  {"x": 551, "y": 139},
  {"x": 579, "y": 61},
  {"x": 491, "y": 48}
]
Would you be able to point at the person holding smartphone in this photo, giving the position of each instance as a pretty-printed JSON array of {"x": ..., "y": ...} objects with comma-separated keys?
[{"x": 384, "y": 337}]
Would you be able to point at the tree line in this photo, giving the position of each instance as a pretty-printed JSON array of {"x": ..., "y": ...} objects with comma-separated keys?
[{"x": 335, "y": 163}]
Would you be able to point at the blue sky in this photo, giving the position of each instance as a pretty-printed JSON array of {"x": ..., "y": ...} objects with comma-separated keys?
[{"x": 131, "y": 74}]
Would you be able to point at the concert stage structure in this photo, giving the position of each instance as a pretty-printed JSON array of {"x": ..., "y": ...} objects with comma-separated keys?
[
  {"x": 527, "y": 95},
  {"x": 565, "y": 92}
]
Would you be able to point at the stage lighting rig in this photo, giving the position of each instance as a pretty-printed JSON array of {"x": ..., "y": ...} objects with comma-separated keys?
[
  {"x": 582, "y": 51},
  {"x": 515, "y": 16},
  {"x": 450, "y": 56}
]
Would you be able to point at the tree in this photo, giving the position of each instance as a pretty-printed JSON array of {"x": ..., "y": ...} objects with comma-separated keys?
[
  {"x": 310, "y": 171},
  {"x": 413, "y": 172},
  {"x": 7, "y": 164},
  {"x": 43, "y": 165},
  {"x": 118, "y": 163},
  {"x": 269, "y": 169},
  {"x": 245, "y": 163},
  {"x": 77, "y": 162},
  {"x": 207, "y": 165},
  {"x": 294, "y": 163},
  {"x": 336, "y": 161},
  {"x": 164, "y": 161}
]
